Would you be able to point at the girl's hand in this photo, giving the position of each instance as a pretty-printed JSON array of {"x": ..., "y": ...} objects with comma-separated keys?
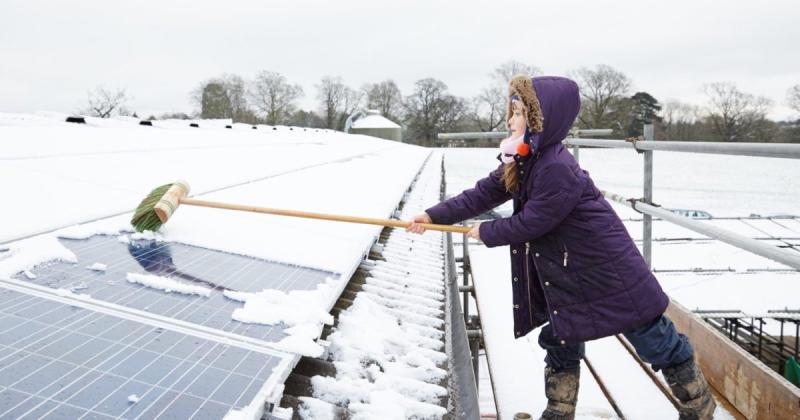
[
  {"x": 475, "y": 232},
  {"x": 415, "y": 227}
]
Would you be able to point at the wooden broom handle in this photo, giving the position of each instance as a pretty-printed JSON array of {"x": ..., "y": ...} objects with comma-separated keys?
[{"x": 321, "y": 216}]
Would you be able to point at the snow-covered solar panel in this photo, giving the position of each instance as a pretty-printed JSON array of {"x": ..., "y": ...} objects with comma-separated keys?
[
  {"x": 105, "y": 263},
  {"x": 772, "y": 228},
  {"x": 61, "y": 361}
]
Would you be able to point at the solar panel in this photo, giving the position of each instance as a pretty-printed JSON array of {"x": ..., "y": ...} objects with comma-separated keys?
[
  {"x": 210, "y": 269},
  {"x": 61, "y": 356},
  {"x": 60, "y": 361}
]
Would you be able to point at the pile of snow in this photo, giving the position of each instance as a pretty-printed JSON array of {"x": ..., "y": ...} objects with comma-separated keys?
[
  {"x": 272, "y": 307},
  {"x": 97, "y": 267},
  {"x": 167, "y": 284},
  {"x": 387, "y": 346},
  {"x": 24, "y": 255}
]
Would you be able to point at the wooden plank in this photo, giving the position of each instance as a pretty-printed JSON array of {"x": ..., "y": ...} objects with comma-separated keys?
[{"x": 754, "y": 389}]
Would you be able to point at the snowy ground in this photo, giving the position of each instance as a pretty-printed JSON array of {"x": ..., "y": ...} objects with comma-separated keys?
[{"x": 725, "y": 186}]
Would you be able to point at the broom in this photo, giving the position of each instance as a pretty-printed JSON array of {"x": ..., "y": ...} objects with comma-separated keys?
[{"x": 163, "y": 201}]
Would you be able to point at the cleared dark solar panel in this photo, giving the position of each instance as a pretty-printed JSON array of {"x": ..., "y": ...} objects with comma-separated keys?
[
  {"x": 218, "y": 271},
  {"x": 60, "y": 361}
]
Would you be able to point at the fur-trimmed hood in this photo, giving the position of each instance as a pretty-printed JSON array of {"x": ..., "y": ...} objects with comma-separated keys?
[{"x": 552, "y": 105}]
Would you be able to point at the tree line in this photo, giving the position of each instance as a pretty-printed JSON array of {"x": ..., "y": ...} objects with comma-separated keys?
[{"x": 607, "y": 101}]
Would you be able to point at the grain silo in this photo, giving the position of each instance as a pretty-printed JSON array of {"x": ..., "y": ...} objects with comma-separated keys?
[{"x": 372, "y": 123}]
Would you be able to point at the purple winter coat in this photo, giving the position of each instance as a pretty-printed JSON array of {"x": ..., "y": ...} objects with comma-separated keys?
[{"x": 573, "y": 263}]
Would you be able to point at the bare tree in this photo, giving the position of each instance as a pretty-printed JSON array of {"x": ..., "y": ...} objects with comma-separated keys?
[
  {"x": 352, "y": 101},
  {"x": 337, "y": 101},
  {"x": 453, "y": 113},
  {"x": 680, "y": 120},
  {"x": 793, "y": 97},
  {"x": 431, "y": 110},
  {"x": 235, "y": 88},
  {"x": 274, "y": 96},
  {"x": 735, "y": 115},
  {"x": 104, "y": 102},
  {"x": 603, "y": 90},
  {"x": 384, "y": 96},
  {"x": 504, "y": 72},
  {"x": 488, "y": 109}
]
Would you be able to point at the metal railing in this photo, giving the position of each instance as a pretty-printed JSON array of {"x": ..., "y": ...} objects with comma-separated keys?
[{"x": 646, "y": 146}]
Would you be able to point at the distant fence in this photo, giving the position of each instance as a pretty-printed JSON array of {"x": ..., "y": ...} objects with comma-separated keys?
[{"x": 646, "y": 146}]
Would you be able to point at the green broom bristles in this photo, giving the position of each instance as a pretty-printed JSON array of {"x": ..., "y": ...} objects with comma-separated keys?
[{"x": 145, "y": 217}]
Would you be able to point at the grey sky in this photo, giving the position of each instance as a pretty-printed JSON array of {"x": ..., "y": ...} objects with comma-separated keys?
[{"x": 52, "y": 52}]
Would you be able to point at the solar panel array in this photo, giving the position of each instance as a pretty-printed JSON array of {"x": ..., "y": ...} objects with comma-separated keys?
[{"x": 59, "y": 360}]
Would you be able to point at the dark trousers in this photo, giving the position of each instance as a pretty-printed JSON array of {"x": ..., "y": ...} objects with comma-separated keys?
[{"x": 656, "y": 342}]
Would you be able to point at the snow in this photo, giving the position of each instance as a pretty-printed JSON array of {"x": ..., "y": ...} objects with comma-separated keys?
[
  {"x": 271, "y": 307},
  {"x": 311, "y": 170},
  {"x": 313, "y": 408},
  {"x": 97, "y": 267},
  {"x": 386, "y": 347},
  {"x": 133, "y": 398},
  {"x": 25, "y": 254},
  {"x": 374, "y": 121},
  {"x": 93, "y": 172},
  {"x": 167, "y": 284}
]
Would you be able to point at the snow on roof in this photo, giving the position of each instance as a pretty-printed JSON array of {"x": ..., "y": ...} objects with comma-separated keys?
[
  {"x": 79, "y": 180},
  {"x": 374, "y": 121}
]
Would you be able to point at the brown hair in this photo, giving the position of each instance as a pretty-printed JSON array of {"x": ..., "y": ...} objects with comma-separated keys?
[{"x": 509, "y": 177}]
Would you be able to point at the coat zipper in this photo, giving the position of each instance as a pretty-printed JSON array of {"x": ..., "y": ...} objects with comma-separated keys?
[
  {"x": 528, "y": 280},
  {"x": 566, "y": 254}
]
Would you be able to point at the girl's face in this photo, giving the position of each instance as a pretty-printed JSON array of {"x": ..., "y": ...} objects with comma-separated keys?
[{"x": 517, "y": 123}]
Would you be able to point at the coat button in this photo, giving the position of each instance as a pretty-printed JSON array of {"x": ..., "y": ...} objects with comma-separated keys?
[
  {"x": 555, "y": 312},
  {"x": 547, "y": 283},
  {"x": 513, "y": 251},
  {"x": 536, "y": 255},
  {"x": 516, "y": 306},
  {"x": 516, "y": 279},
  {"x": 517, "y": 333},
  {"x": 563, "y": 342}
]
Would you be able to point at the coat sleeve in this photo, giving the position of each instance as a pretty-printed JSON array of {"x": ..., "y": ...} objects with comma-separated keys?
[
  {"x": 487, "y": 194},
  {"x": 553, "y": 197}
]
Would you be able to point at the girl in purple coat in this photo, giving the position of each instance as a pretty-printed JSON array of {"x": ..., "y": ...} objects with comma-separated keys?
[{"x": 574, "y": 266}]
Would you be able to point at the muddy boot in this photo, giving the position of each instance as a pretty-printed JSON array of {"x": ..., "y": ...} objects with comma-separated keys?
[
  {"x": 561, "y": 389},
  {"x": 688, "y": 384}
]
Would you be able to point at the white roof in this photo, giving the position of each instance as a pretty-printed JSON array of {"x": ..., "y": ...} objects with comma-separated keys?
[{"x": 374, "y": 121}]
